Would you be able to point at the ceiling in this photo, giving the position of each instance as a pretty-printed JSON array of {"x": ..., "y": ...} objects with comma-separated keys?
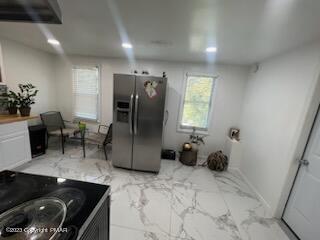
[{"x": 244, "y": 31}]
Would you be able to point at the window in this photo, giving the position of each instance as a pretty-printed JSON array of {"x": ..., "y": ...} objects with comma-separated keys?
[
  {"x": 86, "y": 93},
  {"x": 196, "y": 105}
]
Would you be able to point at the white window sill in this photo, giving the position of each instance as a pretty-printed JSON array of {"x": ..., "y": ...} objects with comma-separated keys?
[
  {"x": 189, "y": 131},
  {"x": 86, "y": 120}
]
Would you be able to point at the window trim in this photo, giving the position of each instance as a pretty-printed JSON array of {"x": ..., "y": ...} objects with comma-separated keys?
[
  {"x": 76, "y": 118},
  {"x": 203, "y": 131}
]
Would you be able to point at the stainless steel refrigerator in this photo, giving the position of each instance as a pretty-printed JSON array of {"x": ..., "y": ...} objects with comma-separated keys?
[{"x": 138, "y": 119}]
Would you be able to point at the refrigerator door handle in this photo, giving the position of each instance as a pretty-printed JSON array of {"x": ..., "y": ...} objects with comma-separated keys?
[
  {"x": 135, "y": 121},
  {"x": 130, "y": 113},
  {"x": 167, "y": 117}
]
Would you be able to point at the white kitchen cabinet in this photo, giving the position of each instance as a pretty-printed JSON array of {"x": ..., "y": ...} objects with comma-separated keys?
[{"x": 14, "y": 145}]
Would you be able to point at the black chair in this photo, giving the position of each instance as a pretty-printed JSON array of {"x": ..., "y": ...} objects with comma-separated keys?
[
  {"x": 56, "y": 127},
  {"x": 107, "y": 140},
  {"x": 101, "y": 139}
]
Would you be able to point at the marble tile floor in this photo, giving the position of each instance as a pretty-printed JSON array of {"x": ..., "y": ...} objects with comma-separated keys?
[{"x": 179, "y": 203}]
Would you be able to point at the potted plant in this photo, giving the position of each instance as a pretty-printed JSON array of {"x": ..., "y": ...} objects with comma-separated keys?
[
  {"x": 189, "y": 153},
  {"x": 12, "y": 102},
  {"x": 196, "y": 140},
  {"x": 26, "y": 98}
]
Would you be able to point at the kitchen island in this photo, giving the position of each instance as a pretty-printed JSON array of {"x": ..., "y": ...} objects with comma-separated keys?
[{"x": 14, "y": 141}]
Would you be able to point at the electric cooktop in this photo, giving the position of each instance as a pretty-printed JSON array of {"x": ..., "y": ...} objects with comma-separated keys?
[{"x": 70, "y": 201}]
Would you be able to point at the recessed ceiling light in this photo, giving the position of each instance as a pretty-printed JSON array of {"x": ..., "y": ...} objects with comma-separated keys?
[
  {"x": 53, "y": 42},
  {"x": 126, "y": 45},
  {"x": 211, "y": 49}
]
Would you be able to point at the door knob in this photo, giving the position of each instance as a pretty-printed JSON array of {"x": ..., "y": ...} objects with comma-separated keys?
[{"x": 304, "y": 162}]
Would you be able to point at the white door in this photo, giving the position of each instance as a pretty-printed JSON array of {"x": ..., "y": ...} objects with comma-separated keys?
[{"x": 302, "y": 213}]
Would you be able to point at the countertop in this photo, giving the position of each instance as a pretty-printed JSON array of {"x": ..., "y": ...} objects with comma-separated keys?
[{"x": 14, "y": 118}]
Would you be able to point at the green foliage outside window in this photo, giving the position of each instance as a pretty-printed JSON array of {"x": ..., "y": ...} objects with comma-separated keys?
[{"x": 197, "y": 100}]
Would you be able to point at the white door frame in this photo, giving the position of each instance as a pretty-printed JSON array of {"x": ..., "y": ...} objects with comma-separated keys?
[
  {"x": 307, "y": 154},
  {"x": 312, "y": 105}
]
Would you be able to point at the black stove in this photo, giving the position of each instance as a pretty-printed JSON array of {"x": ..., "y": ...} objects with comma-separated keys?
[{"x": 80, "y": 198}]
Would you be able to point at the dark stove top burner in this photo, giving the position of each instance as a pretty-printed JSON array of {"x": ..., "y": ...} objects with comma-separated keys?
[
  {"x": 72, "y": 197},
  {"x": 80, "y": 197}
]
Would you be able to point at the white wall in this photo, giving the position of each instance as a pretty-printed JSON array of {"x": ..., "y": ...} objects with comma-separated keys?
[
  {"x": 53, "y": 77},
  {"x": 227, "y": 100},
  {"x": 23, "y": 64},
  {"x": 275, "y": 108}
]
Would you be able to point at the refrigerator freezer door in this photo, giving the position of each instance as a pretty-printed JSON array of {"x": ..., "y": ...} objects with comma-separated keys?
[
  {"x": 122, "y": 140},
  {"x": 148, "y": 122}
]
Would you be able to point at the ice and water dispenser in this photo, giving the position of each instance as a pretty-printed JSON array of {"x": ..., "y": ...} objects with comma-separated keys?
[{"x": 123, "y": 111}]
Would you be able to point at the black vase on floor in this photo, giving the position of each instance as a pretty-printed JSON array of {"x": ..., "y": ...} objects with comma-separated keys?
[{"x": 189, "y": 158}]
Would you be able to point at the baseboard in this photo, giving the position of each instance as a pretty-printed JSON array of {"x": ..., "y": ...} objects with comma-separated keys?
[
  {"x": 252, "y": 187},
  {"x": 17, "y": 165},
  {"x": 234, "y": 167}
]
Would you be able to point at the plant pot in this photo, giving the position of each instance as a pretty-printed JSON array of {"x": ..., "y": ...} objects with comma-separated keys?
[
  {"x": 25, "y": 111},
  {"x": 12, "y": 110},
  {"x": 189, "y": 158}
]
